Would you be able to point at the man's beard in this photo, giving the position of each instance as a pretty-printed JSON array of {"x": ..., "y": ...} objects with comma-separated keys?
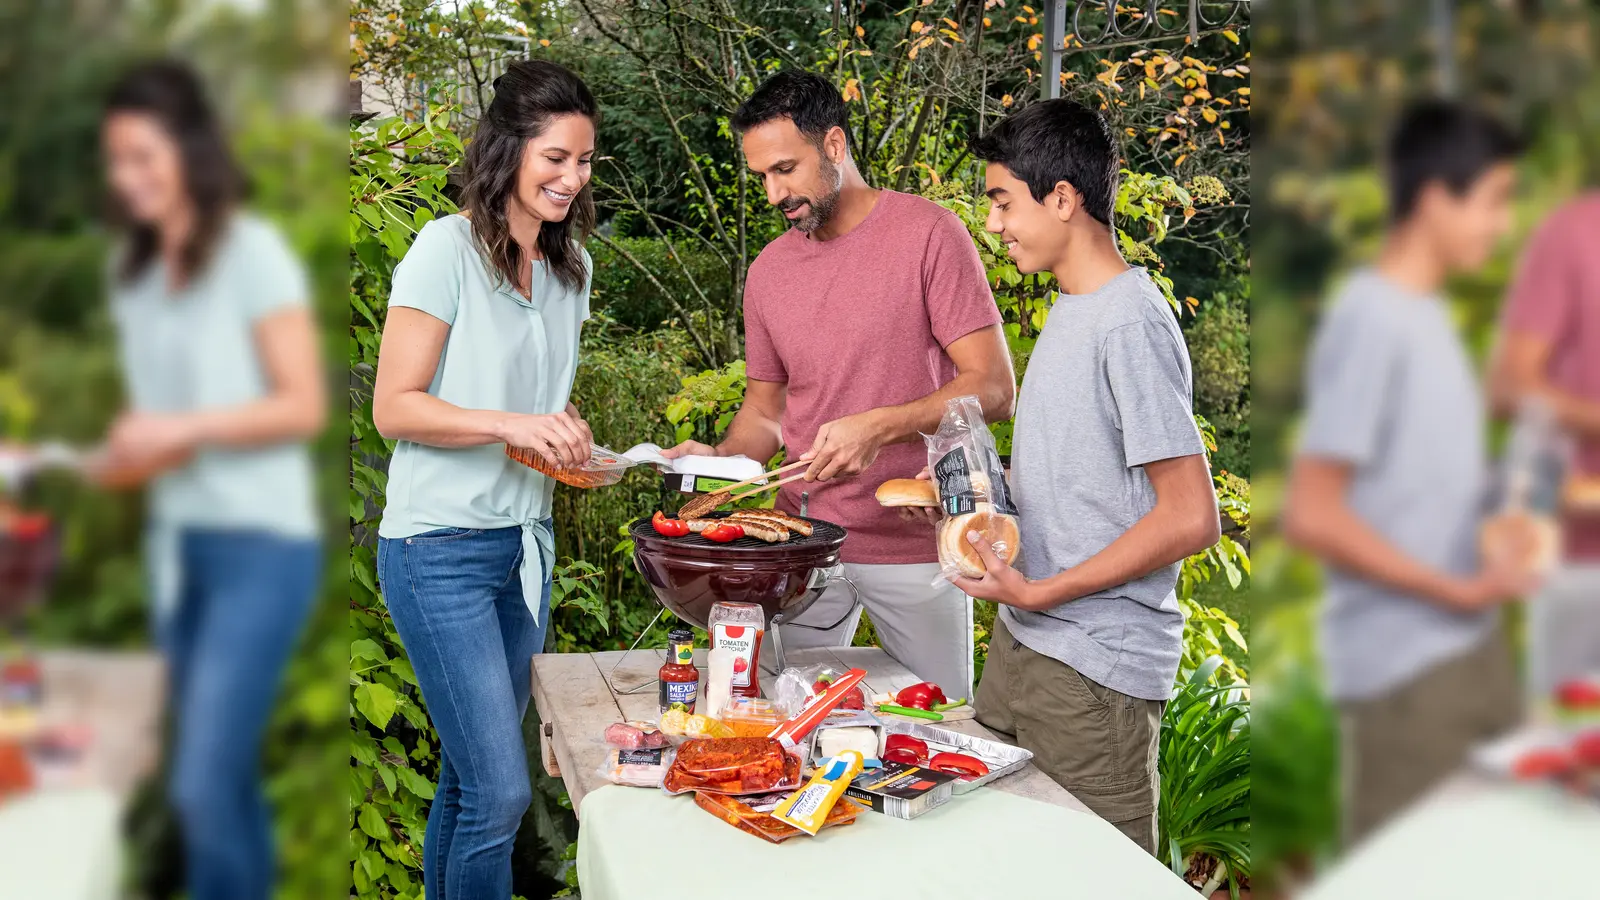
[{"x": 822, "y": 207}]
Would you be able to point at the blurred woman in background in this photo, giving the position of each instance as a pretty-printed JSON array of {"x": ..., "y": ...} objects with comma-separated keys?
[
  {"x": 479, "y": 351},
  {"x": 224, "y": 384}
]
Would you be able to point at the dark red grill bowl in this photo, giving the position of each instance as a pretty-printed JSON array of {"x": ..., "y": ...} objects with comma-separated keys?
[
  {"x": 27, "y": 568},
  {"x": 689, "y": 574}
]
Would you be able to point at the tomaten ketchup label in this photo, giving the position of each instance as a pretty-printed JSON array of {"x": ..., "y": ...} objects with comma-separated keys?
[{"x": 743, "y": 641}]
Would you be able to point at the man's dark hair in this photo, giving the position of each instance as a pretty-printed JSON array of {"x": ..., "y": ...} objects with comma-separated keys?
[
  {"x": 807, "y": 99},
  {"x": 1443, "y": 141},
  {"x": 1058, "y": 140}
]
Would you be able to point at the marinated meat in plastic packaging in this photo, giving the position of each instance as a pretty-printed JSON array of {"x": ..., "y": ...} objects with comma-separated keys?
[
  {"x": 753, "y": 765},
  {"x": 602, "y": 468},
  {"x": 973, "y": 493},
  {"x": 637, "y": 768},
  {"x": 754, "y": 814}
]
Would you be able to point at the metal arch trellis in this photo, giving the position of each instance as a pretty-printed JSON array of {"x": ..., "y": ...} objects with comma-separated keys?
[{"x": 1125, "y": 22}]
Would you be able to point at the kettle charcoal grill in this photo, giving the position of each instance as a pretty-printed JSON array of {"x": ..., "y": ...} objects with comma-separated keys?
[{"x": 689, "y": 574}]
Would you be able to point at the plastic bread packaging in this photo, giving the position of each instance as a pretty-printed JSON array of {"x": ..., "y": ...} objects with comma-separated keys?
[
  {"x": 637, "y": 768},
  {"x": 973, "y": 494},
  {"x": 808, "y": 808}
]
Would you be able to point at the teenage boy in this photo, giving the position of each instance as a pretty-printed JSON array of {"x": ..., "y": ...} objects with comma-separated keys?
[
  {"x": 860, "y": 322},
  {"x": 1389, "y": 484},
  {"x": 1110, "y": 480}
]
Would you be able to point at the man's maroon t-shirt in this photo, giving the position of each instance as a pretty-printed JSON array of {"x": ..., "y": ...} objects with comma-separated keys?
[
  {"x": 1556, "y": 297},
  {"x": 857, "y": 323}
]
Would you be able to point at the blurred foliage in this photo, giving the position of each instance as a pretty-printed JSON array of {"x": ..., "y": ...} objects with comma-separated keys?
[
  {"x": 57, "y": 350},
  {"x": 1339, "y": 75}
]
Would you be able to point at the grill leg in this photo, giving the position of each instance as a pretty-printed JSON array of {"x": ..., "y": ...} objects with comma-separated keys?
[{"x": 777, "y": 648}]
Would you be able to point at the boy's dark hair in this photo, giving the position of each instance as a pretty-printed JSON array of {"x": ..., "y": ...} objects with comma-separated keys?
[
  {"x": 807, "y": 99},
  {"x": 1058, "y": 140},
  {"x": 1439, "y": 140}
]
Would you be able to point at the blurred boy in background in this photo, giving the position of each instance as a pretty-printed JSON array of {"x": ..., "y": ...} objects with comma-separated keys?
[{"x": 1390, "y": 480}]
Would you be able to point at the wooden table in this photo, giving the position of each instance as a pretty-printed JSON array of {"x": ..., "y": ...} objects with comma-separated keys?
[{"x": 575, "y": 705}]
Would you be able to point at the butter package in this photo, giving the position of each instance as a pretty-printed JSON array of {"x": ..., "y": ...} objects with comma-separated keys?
[{"x": 808, "y": 808}]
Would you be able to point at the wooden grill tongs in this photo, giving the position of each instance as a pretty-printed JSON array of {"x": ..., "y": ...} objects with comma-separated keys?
[{"x": 705, "y": 503}]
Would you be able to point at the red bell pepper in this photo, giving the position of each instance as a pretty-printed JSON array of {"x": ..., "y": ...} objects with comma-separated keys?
[
  {"x": 723, "y": 533},
  {"x": 958, "y": 764},
  {"x": 1587, "y": 749},
  {"x": 920, "y": 696},
  {"x": 905, "y": 748},
  {"x": 1579, "y": 694},
  {"x": 668, "y": 527}
]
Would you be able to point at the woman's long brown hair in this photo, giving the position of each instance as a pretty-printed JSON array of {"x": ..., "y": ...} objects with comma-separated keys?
[
  {"x": 171, "y": 93},
  {"x": 526, "y": 98}
]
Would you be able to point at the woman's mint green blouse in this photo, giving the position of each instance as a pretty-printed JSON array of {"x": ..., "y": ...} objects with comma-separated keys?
[
  {"x": 504, "y": 352},
  {"x": 196, "y": 348}
]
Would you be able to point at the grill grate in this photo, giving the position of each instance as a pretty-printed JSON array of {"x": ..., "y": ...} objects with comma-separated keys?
[{"x": 823, "y": 534}]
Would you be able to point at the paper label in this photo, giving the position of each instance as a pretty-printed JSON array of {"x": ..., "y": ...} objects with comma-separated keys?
[{"x": 741, "y": 641}]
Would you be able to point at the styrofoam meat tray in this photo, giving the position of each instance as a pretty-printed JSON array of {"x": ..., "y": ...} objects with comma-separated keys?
[{"x": 1002, "y": 759}]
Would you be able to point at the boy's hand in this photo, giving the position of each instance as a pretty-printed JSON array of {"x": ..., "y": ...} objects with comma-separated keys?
[
  {"x": 927, "y": 515},
  {"x": 1493, "y": 586},
  {"x": 1000, "y": 583}
]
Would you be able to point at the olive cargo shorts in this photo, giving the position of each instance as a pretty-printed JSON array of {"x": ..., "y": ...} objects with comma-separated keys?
[
  {"x": 1097, "y": 743},
  {"x": 1398, "y": 746}
]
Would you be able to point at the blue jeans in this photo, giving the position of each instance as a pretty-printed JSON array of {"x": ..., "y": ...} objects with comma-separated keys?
[
  {"x": 456, "y": 600},
  {"x": 244, "y": 601}
]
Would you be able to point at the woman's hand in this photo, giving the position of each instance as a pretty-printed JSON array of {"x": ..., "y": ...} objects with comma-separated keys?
[
  {"x": 145, "y": 437},
  {"x": 561, "y": 438}
]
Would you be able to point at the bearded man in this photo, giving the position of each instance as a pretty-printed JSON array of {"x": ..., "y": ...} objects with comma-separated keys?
[{"x": 860, "y": 322}]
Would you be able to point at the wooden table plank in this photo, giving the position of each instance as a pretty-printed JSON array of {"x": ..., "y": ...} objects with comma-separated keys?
[{"x": 572, "y": 698}]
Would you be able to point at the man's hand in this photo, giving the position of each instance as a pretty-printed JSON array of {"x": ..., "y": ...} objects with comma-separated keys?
[
  {"x": 844, "y": 447},
  {"x": 690, "y": 448},
  {"x": 926, "y": 515},
  {"x": 1000, "y": 583}
]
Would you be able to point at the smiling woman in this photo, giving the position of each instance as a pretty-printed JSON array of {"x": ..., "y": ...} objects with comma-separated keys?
[{"x": 480, "y": 350}]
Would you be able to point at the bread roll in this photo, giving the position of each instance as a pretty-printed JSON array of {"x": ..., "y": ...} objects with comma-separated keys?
[
  {"x": 955, "y": 551},
  {"x": 1520, "y": 540},
  {"x": 908, "y": 492},
  {"x": 1581, "y": 494}
]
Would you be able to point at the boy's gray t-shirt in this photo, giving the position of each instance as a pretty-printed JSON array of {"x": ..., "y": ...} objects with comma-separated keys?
[
  {"x": 1108, "y": 389},
  {"x": 1391, "y": 392}
]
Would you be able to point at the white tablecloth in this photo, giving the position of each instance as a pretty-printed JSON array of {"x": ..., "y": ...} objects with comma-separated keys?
[
  {"x": 1492, "y": 842},
  {"x": 61, "y": 845},
  {"x": 986, "y": 845}
]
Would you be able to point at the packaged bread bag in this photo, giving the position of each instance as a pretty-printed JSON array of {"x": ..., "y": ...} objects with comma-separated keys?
[{"x": 973, "y": 495}]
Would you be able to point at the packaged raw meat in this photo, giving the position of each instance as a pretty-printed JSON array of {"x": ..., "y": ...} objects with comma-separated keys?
[
  {"x": 972, "y": 491},
  {"x": 635, "y": 736},
  {"x": 754, "y": 765},
  {"x": 637, "y": 768},
  {"x": 602, "y": 468},
  {"x": 754, "y": 814}
]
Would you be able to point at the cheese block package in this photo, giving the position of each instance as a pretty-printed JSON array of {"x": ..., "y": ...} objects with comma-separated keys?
[{"x": 973, "y": 494}]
